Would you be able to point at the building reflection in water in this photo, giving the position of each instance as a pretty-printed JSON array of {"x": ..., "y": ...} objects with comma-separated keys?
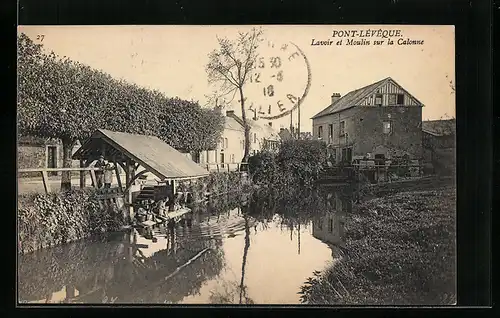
[{"x": 328, "y": 226}]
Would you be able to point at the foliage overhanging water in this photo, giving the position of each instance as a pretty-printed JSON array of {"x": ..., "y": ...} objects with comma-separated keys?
[{"x": 258, "y": 248}]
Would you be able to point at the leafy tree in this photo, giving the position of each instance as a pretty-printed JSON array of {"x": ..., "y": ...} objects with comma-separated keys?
[
  {"x": 185, "y": 125},
  {"x": 230, "y": 65},
  {"x": 60, "y": 98},
  {"x": 57, "y": 98}
]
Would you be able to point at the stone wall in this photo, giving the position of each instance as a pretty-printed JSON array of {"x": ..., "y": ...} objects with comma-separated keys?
[
  {"x": 363, "y": 129},
  {"x": 34, "y": 155}
]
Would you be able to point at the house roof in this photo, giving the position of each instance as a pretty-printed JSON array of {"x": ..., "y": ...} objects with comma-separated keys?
[
  {"x": 150, "y": 152},
  {"x": 266, "y": 131},
  {"x": 231, "y": 123},
  {"x": 234, "y": 122},
  {"x": 444, "y": 127},
  {"x": 353, "y": 98},
  {"x": 285, "y": 134}
]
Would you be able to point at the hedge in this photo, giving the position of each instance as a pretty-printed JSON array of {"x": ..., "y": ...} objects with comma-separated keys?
[{"x": 56, "y": 218}]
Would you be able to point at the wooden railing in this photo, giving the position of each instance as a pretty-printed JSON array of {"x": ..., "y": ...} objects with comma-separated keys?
[
  {"x": 224, "y": 167},
  {"x": 45, "y": 177}
]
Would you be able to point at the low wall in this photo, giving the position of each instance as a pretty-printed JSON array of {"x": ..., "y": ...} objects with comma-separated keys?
[{"x": 46, "y": 220}]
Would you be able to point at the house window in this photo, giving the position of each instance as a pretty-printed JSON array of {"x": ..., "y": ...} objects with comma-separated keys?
[
  {"x": 330, "y": 131},
  {"x": 196, "y": 157},
  {"x": 378, "y": 99},
  {"x": 387, "y": 127},
  {"x": 232, "y": 158},
  {"x": 330, "y": 225},
  {"x": 342, "y": 128},
  {"x": 400, "y": 99},
  {"x": 227, "y": 145},
  {"x": 320, "y": 132},
  {"x": 254, "y": 137}
]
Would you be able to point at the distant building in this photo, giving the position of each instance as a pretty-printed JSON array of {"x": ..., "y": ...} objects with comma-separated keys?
[
  {"x": 36, "y": 152},
  {"x": 439, "y": 144},
  {"x": 231, "y": 147},
  {"x": 379, "y": 120},
  {"x": 285, "y": 134},
  {"x": 306, "y": 135}
]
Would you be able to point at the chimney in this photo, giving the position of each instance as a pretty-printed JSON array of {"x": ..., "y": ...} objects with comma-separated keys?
[
  {"x": 335, "y": 97},
  {"x": 230, "y": 113}
]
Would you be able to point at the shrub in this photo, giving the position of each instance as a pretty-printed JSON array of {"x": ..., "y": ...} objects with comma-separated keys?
[
  {"x": 215, "y": 182},
  {"x": 298, "y": 163},
  {"x": 52, "y": 219}
]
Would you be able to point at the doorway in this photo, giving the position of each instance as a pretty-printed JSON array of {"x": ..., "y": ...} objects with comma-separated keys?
[
  {"x": 52, "y": 159},
  {"x": 222, "y": 159}
]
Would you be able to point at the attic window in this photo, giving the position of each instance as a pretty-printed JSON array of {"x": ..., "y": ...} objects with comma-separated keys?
[
  {"x": 400, "y": 99},
  {"x": 378, "y": 99}
]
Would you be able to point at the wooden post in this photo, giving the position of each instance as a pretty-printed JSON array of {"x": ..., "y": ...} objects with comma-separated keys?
[
  {"x": 172, "y": 186},
  {"x": 118, "y": 179},
  {"x": 45, "y": 179},
  {"x": 82, "y": 175},
  {"x": 208, "y": 167},
  {"x": 218, "y": 168},
  {"x": 228, "y": 168},
  {"x": 93, "y": 178},
  {"x": 130, "y": 174}
]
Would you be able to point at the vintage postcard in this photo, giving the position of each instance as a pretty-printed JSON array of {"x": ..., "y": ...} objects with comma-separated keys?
[{"x": 236, "y": 165}]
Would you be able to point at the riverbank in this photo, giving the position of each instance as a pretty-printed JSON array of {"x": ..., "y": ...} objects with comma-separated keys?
[
  {"x": 46, "y": 220},
  {"x": 399, "y": 249}
]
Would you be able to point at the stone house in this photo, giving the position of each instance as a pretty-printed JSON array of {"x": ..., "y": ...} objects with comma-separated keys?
[
  {"x": 231, "y": 147},
  {"x": 380, "y": 120},
  {"x": 36, "y": 152}
]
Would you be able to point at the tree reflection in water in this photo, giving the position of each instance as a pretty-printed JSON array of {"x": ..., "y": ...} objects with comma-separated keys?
[
  {"x": 113, "y": 270},
  {"x": 234, "y": 292}
]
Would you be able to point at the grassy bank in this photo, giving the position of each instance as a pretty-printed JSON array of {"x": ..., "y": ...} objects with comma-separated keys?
[
  {"x": 56, "y": 218},
  {"x": 399, "y": 249}
]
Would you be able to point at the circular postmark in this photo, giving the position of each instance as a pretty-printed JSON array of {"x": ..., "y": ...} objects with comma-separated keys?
[{"x": 279, "y": 82}]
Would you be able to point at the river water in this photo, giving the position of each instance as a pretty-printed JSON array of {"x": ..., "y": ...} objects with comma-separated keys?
[{"x": 256, "y": 249}]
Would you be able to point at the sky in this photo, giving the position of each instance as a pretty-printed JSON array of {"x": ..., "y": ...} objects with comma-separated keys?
[{"x": 172, "y": 59}]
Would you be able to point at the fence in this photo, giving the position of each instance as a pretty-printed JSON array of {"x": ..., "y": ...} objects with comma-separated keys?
[
  {"x": 45, "y": 177},
  {"x": 224, "y": 167}
]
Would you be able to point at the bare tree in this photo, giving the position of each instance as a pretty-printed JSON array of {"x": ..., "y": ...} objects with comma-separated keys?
[{"x": 229, "y": 67}]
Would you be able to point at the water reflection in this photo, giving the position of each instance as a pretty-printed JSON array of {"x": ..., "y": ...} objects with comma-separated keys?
[
  {"x": 257, "y": 248},
  {"x": 329, "y": 226}
]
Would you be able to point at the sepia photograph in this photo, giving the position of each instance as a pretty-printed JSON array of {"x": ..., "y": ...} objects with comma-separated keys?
[{"x": 236, "y": 165}]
